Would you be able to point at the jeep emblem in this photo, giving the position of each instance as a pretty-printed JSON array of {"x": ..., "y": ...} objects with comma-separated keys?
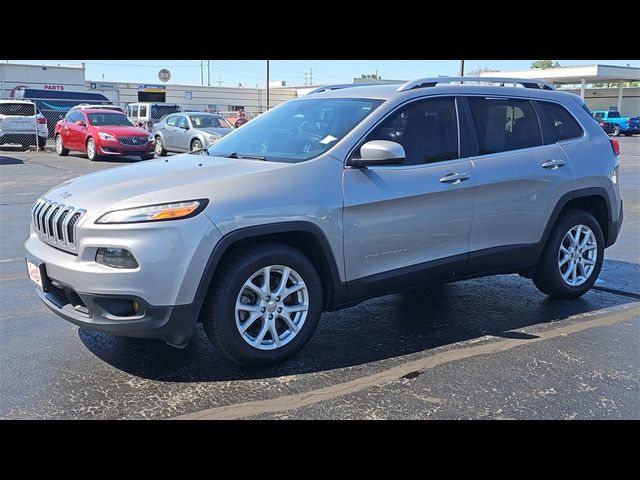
[{"x": 65, "y": 194}]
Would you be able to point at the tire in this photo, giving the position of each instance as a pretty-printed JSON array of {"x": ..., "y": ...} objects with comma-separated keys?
[
  {"x": 160, "y": 150},
  {"x": 42, "y": 142},
  {"x": 92, "y": 150},
  {"x": 222, "y": 320},
  {"x": 60, "y": 150},
  {"x": 147, "y": 156},
  {"x": 616, "y": 131},
  {"x": 196, "y": 144},
  {"x": 555, "y": 262}
]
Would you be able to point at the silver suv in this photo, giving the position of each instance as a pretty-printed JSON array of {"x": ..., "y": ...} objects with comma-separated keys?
[
  {"x": 188, "y": 131},
  {"x": 327, "y": 200}
]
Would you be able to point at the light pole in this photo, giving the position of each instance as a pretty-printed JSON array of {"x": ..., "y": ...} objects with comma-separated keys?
[
  {"x": 462, "y": 68},
  {"x": 209, "y": 73},
  {"x": 267, "y": 84}
]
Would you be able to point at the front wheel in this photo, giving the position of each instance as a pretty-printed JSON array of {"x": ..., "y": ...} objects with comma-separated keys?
[
  {"x": 60, "y": 150},
  {"x": 92, "y": 152},
  {"x": 264, "y": 304},
  {"x": 616, "y": 131},
  {"x": 196, "y": 145},
  {"x": 572, "y": 258}
]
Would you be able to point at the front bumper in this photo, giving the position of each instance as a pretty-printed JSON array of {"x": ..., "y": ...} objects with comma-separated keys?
[
  {"x": 172, "y": 324},
  {"x": 171, "y": 257},
  {"x": 108, "y": 147}
]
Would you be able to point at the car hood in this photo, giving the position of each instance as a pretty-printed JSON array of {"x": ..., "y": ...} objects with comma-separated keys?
[
  {"x": 217, "y": 131},
  {"x": 176, "y": 178},
  {"x": 122, "y": 131}
]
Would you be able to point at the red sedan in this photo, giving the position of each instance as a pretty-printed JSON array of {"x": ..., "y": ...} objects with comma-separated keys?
[{"x": 102, "y": 133}]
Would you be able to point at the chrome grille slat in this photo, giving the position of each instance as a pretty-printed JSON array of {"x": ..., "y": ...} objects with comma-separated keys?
[{"x": 56, "y": 223}]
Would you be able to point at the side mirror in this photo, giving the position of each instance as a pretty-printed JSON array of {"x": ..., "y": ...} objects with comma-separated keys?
[
  {"x": 184, "y": 127},
  {"x": 379, "y": 152},
  {"x": 80, "y": 123}
]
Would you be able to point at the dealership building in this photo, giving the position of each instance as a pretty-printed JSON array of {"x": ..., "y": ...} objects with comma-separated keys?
[{"x": 14, "y": 77}]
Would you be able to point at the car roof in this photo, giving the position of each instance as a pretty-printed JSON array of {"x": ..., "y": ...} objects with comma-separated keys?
[
  {"x": 99, "y": 110},
  {"x": 426, "y": 87}
]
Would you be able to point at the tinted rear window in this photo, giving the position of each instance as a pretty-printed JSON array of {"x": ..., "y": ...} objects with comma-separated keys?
[
  {"x": 17, "y": 109},
  {"x": 504, "y": 124},
  {"x": 159, "y": 111},
  {"x": 562, "y": 122}
]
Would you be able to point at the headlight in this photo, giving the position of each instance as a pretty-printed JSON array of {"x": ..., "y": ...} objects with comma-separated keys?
[
  {"x": 155, "y": 213},
  {"x": 212, "y": 138},
  {"x": 150, "y": 137},
  {"x": 106, "y": 136}
]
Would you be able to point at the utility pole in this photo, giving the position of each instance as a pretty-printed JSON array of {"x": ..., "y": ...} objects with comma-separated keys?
[
  {"x": 201, "y": 73},
  {"x": 209, "y": 73},
  {"x": 461, "y": 68},
  {"x": 267, "y": 84},
  {"x": 305, "y": 78},
  {"x": 220, "y": 82},
  {"x": 310, "y": 76}
]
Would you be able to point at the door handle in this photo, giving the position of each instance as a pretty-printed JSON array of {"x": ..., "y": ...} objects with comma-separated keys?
[
  {"x": 455, "y": 178},
  {"x": 553, "y": 164}
]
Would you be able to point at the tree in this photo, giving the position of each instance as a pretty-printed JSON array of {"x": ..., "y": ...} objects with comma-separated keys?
[
  {"x": 543, "y": 64},
  {"x": 477, "y": 71},
  {"x": 373, "y": 76}
]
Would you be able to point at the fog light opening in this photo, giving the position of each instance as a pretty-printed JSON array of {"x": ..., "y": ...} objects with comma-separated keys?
[{"x": 116, "y": 258}]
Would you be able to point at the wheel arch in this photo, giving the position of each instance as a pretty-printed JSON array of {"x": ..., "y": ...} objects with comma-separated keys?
[
  {"x": 303, "y": 236},
  {"x": 594, "y": 200}
]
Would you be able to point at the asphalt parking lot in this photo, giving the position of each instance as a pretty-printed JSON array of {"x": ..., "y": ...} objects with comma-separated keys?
[{"x": 487, "y": 348}]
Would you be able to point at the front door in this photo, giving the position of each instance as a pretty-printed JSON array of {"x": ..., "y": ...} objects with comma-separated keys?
[
  {"x": 520, "y": 180},
  {"x": 412, "y": 218}
]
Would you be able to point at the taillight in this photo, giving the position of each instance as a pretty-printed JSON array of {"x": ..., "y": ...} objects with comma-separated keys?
[
  {"x": 602, "y": 124},
  {"x": 42, "y": 120},
  {"x": 615, "y": 146}
]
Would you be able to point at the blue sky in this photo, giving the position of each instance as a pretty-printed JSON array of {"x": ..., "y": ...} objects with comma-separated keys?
[{"x": 252, "y": 72}]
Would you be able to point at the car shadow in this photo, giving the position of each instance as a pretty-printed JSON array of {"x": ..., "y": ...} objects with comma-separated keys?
[
  {"x": 10, "y": 161},
  {"x": 382, "y": 328},
  {"x": 114, "y": 159}
]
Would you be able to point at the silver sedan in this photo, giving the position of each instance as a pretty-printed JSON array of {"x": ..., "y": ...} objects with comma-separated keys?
[{"x": 189, "y": 131}]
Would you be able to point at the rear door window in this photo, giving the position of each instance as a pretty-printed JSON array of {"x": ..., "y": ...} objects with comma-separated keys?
[
  {"x": 504, "y": 124},
  {"x": 562, "y": 123}
]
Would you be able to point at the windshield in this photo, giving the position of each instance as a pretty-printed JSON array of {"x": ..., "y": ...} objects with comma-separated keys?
[
  {"x": 159, "y": 111},
  {"x": 297, "y": 130},
  {"x": 116, "y": 119},
  {"x": 209, "y": 121}
]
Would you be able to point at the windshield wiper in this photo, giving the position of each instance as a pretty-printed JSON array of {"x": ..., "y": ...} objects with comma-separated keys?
[{"x": 250, "y": 157}]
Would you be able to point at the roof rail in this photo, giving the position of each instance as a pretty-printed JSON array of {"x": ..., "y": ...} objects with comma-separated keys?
[
  {"x": 327, "y": 88},
  {"x": 432, "y": 82}
]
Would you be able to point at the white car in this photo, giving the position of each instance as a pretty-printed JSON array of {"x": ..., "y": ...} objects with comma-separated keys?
[{"x": 20, "y": 123}]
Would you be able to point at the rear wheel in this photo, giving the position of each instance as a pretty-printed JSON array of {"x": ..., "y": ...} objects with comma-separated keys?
[
  {"x": 196, "y": 145},
  {"x": 160, "y": 150},
  {"x": 572, "y": 258},
  {"x": 616, "y": 131},
  {"x": 60, "y": 150},
  {"x": 92, "y": 152},
  {"x": 264, "y": 304}
]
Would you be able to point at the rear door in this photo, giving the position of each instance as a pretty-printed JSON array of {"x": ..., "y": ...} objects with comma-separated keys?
[
  {"x": 76, "y": 133},
  {"x": 521, "y": 176},
  {"x": 170, "y": 131},
  {"x": 183, "y": 134}
]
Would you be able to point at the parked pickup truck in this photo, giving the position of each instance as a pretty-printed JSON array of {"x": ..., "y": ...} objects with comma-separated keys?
[{"x": 625, "y": 125}]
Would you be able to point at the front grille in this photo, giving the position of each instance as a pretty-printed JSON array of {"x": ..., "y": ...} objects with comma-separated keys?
[
  {"x": 133, "y": 141},
  {"x": 56, "y": 223}
]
